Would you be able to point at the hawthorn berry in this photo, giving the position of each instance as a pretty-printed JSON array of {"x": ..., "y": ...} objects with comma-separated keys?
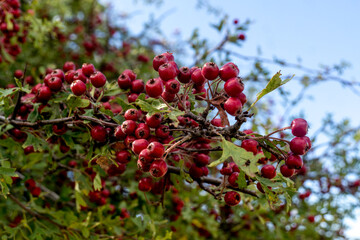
[
  {"x": 286, "y": 171},
  {"x": 88, "y": 69},
  {"x": 145, "y": 184},
  {"x": 299, "y": 145},
  {"x": 299, "y": 127},
  {"x": 158, "y": 168},
  {"x": 156, "y": 149},
  {"x": 138, "y": 145},
  {"x": 154, "y": 87},
  {"x": 232, "y": 198},
  {"x": 268, "y": 171},
  {"x": 98, "y": 79},
  {"x": 233, "y": 87},
  {"x": 198, "y": 78},
  {"x": 142, "y": 131},
  {"x": 210, "y": 71},
  {"x": 124, "y": 81},
  {"x": 229, "y": 70},
  {"x": 123, "y": 156},
  {"x": 137, "y": 86},
  {"x": 233, "y": 178},
  {"x": 99, "y": 133},
  {"x": 201, "y": 159},
  {"x": 154, "y": 120},
  {"x": 59, "y": 129},
  {"x": 294, "y": 161},
  {"x": 184, "y": 75},
  {"x": 172, "y": 86},
  {"x": 167, "y": 71},
  {"x": 158, "y": 61},
  {"x": 250, "y": 145},
  {"x": 128, "y": 127},
  {"x": 78, "y": 87},
  {"x": 233, "y": 106}
]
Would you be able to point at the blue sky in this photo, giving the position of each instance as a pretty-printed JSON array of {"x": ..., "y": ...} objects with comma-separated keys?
[{"x": 319, "y": 32}]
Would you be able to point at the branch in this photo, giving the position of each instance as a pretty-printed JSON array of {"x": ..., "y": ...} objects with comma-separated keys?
[{"x": 213, "y": 181}]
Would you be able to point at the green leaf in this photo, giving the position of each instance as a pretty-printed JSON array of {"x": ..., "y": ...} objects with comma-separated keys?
[
  {"x": 36, "y": 142},
  {"x": 7, "y": 171},
  {"x": 77, "y": 102},
  {"x": 33, "y": 116},
  {"x": 241, "y": 181},
  {"x": 246, "y": 161},
  {"x": 152, "y": 105},
  {"x": 125, "y": 106},
  {"x": 97, "y": 182},
  {"x": 273, "y": 84}
]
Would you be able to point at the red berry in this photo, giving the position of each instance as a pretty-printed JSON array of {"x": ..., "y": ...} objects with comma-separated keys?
[
  {"x": 198, "y": 78},
  {"x": 229, "y": 70},
  {"x": 36, "y": 191},
  {"x": 131, "y": 114},
  {"x": 30, "y": 184},
  {"x": 99, "y": 133},
  {"x": 58, "y": 73},
  {"x": 18, "y": 73},
  {"x": 138, "y": 145},
  {"x": 78, "y": 75},
  {"x": 158, "y": 168},
  {"x": 184, "y": 75},
  {"x": 241, "y": 36},
  {"x": 128, "y": 127},
  {"x": 311, "y": 219},
  {"x": 123, "y": 156},
  {"x": 137, "y": 86},
  {"x": 172, "y": 86},
  {"x": 72, "y": 164},
  {"x": 98, "y": 79},
  {"x": 286, "y": 171},
  {"x": 54, "y": 84},
  {"x": 169, "y": 56},
  {"x": 299, "y": 145},
  {"x": 119, "y": 134},
  {"x": 43, "y": 94},
  {"x": 195, "y": 171},
  {"x": 142, "y": 131},
  {"x": 69, "y": 76},
  {"x": 159, "y": 60},
  {"x": 232, "y": 198},
  {"x": 294, "y": 161},
  {"x": 130, "y": 74},
  {"x": 88, "y": 69},
  {"x": 167, "y": 71},
  {"x": 168, "y": 97},
  {"x": 242, "y": 98},
  {"x": 69, "y": 66},
  {"x": 154, "y": 87},
  {"x": 124, "y": 81},
  {"x": 145, "y": 184},
  {"x": 233, "y": 178},
  {"x": 156, "y": 149},
  {"x": 233, "y": 87},
  {"x": 28, "y": 150},
  {"x": 268, "y": 171},
  {"x": 210, "y": 71},
  {"x": 233, "y": 106},
  {"x": 299, "y": 127},
  {"x": 154, "y": 120},
  {"x": 201, "y": 159},
  {"x": 145, "y": 157},
  {"x": 59, "y": 129},
  {"x": 161, "y": 131},
  {"x": 78, "y": 87},
  {"x": 132, "y": 97}
]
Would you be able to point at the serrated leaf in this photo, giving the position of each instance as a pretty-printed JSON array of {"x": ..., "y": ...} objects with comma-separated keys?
[
  {"x": 125, "y": 106},
  {"x": 36, "y": 142},
  {"x": 7, "y": 171},
  {"x": 33, "y": 116},
  {"x": 273, "y": 84},
  {"x": 241, "y": 181},
  {"x": 97, "y": 182},
  {"x": 246, "y": 161},
  {"x": 77, "y": 102},
  {"x": 151, "y": 105}
]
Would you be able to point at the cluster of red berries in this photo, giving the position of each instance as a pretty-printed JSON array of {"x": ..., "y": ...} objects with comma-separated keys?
[
  {"x": 30, "y": 185},
  {"x": 9, "y": 12}
]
